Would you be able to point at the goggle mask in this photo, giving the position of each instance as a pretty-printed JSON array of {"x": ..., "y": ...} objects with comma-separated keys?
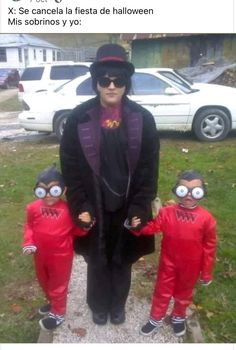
[
  {"x": 106, "y": 82},
  {"x": 54, "y": 191},
  {"x": 182, "y": 191}
]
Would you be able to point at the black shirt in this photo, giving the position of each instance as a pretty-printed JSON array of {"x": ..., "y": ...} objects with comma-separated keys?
[{"x": 114, "y": 167}]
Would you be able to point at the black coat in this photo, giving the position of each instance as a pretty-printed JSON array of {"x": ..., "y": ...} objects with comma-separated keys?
[{"x": 80, "y": 164}]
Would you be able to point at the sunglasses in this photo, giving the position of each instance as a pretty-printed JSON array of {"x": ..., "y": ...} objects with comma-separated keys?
[
  {"x": 182, "y": 191},
  {"x": 105, "y": 82},
  {"x": 54, "y": 191}
]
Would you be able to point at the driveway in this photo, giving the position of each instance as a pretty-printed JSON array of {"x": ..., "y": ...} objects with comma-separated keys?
[{"x": 10, "y": 129}]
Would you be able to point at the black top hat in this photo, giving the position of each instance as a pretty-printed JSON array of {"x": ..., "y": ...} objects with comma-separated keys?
[{"x": 113, "y": 54}]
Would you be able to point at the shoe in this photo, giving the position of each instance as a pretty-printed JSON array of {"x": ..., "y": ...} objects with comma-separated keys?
[
  {"x": 51, "y": 322},
  {"x": 150, "y": 327},
  {"x": 44, "y": 310},
  {"x": 179, "y": 326},
  {"x": 117, "y": 317},
  {"x": 100, "y": 318}
]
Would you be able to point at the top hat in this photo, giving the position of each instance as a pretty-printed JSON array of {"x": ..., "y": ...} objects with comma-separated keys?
[{"x": 114, "y": 55}]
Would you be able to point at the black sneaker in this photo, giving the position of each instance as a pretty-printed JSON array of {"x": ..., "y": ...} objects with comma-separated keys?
[
  {"x": 179, "y": 326},
  {"x": 150, "y": 327},
  {"x": 51, "y": 322},
  {"x": 44, "y": 310},
  {"x": 100, "y": 318}
]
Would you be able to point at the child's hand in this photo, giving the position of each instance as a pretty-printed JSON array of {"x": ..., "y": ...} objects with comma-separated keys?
[
  {"x": 86, "y": 222},
  {"x": 85, "y": 217},
  {"x": 135, "y": 222},
  {"x": 169, "y": 202}
]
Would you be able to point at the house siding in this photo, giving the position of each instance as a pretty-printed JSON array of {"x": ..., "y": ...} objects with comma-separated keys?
[
  {"x": 13, "y": 58},
  {"x": 28, "y": 45},
  {"x": 39, "y": 55},
  {"x": 159, "y": 53},
  {"x": 178, "y": 51}
]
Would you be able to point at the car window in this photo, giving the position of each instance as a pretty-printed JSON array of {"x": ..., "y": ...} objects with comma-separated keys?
[
  {"x": 67, "y": 72},
  {"x": 3, "y": 72},
  {"x": 184, "y": 77},
  {"x": 85, "y": 88},
  {"x": 13, "y": 73},
  {"x": 61, "y": 73},
  {"x": 173, "y": 77},
  {"x": 147, "y": 84},
  {"x": 177, "y": 80},
  {"x": 34, "y": 73},
  {"x": 79, "y": 70}
]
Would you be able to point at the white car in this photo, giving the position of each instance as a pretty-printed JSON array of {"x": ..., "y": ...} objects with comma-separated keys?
[
  {"x": 49, "y": 76},
  {"x": 206, "y": 109}
]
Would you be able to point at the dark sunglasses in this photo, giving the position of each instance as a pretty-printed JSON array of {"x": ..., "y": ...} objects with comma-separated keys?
[
  {"x": 105, "y": 82},
  {"x": 54, "y": 191}
]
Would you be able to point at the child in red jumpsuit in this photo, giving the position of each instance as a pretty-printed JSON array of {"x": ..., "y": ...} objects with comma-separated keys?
[
  {"x": 187, "y": 251},
  {"x": 48, "y": 234}
]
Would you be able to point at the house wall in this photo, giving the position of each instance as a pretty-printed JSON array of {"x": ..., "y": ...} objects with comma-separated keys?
[
  {"x": 178, "y": 52},
  {"x": 159, "y": 53},
  {"x": 229, "y": 47},
  {"x": 39, "y": 55},
  {"x": 13, "y": 59}
]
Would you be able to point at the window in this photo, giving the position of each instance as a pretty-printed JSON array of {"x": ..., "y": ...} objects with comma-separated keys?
[
  {"x": 177, "y": 76},
  {"x": 20, "y": 55},
  {"x": 147, "y": 84},
  {"x": 3, "y": 54},
  {"x": 34, "y": 54},
  {"x": 26, "y": 56},
  {"x": 44, "y": 55},
  {"x": 53, "y": 55},
  {"x": 67, "y": 72},
  {"x": 176, "y": 79},
  {"x": 34, "y": 73},
  {"x": 61, "y": 73},
  {"x": 79, "y": 70},
  {"x": 85, "y": 88}
]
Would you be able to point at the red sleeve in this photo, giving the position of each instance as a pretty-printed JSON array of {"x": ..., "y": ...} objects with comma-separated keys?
[
  {"x": 152, "y": 227},
  {"x": 28, "y": 229},
  {"x": 77, "y": 231},
  {"x": 209, "y": 250}
]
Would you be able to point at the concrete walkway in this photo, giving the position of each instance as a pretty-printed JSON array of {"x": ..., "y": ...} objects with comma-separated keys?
[{"x": 79, "y": 328}]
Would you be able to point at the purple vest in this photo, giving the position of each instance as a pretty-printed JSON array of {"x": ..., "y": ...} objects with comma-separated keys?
[{"x": 90, "y": 133}]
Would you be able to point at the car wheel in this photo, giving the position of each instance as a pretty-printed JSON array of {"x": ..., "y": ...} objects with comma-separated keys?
[
  {"x": 211, "y": 124},
  {"x": 60, "y": 123}
]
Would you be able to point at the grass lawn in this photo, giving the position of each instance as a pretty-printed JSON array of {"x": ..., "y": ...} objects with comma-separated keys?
[
  {"x": 11, "y": 104},
  {"x": 20, "y": 163}
]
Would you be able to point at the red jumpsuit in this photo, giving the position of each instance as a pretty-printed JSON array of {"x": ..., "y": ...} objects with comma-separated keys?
[
  {"x": 50, "y": 229},
  {"x": 188, "y": 250}
]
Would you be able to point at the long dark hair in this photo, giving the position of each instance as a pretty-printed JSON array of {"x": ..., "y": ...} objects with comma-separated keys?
[{"x": 111, "y": 69}]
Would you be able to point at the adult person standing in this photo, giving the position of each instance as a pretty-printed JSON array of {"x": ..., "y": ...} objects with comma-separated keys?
[{"x": 109, "y": 159}]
